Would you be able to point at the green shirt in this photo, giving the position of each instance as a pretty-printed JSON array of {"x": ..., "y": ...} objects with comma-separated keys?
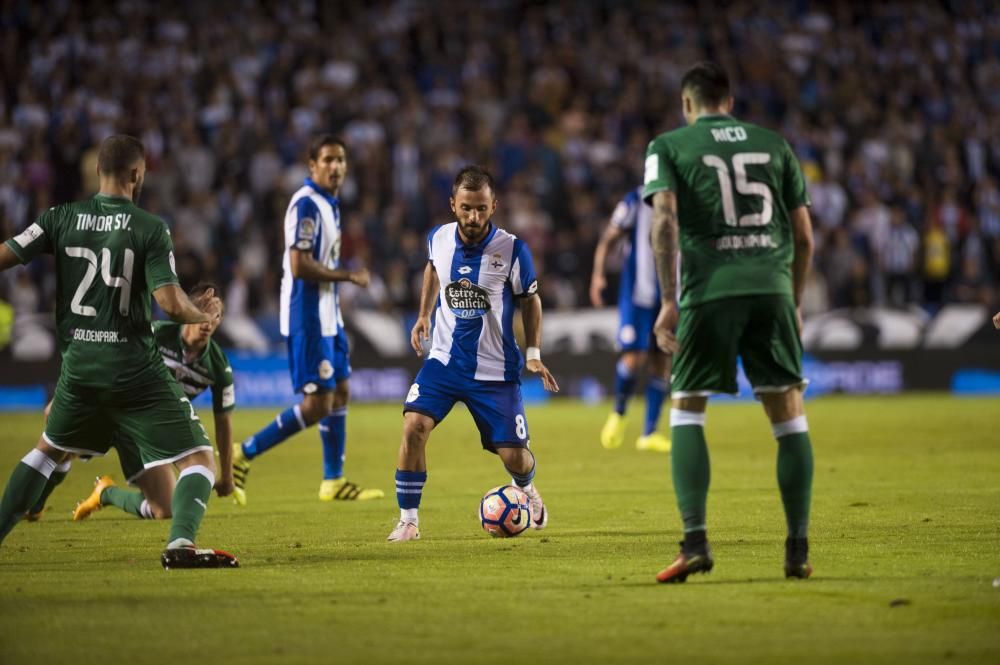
[
  {"x": 110, "y": 256},
  {"x": 736, "y": 185},
  {"x": 209, "y": 370}
]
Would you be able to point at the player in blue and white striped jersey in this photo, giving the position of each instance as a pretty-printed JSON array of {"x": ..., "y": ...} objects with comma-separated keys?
[
  {"x": 638, "y": 305},
  {"x": 313, "y": 326},
  {"x": 475, "y": 274}
]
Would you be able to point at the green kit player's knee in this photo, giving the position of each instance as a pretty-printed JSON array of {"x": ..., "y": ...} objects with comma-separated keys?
[
  {"x": 24, "y": 488},
  {"x": 795, "y": 473},
  {"x": 194, "y": 485}
]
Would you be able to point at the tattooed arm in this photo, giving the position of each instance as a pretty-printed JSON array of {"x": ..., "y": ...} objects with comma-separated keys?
[{"x": 665, "y": 246}]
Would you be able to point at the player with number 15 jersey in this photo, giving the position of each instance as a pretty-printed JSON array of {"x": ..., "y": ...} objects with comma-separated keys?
[
  {"x": 735, "y": 184},
  {"x": 730, "y": 196}
]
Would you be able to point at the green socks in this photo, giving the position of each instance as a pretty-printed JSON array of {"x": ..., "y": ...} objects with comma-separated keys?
[
  {"x": 689, "y": 466},
  {"x": 26, "y": 484},
  {"x": 55, "y": 479},
  {"x": 795, "y": 473},
  {"x": 691, "y": 472},
  {"x": 190, "y": 501},
  {"x": 128, "y": 500}
]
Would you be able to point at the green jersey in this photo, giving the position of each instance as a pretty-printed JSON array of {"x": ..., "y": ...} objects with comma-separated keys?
[
  {"x": 110, "y": 256},
  {"x": 209, "y": 370},
  {"x": 736, "y": 185}
]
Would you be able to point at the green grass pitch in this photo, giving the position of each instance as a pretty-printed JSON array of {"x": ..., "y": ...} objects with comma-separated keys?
[{"x": 905, "y": 542}]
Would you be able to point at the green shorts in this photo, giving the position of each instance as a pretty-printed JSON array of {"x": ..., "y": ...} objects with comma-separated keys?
[
  {"x": 761, "y": 330},
  {"x": 156, "y": 417},
  {"x": 129, "y": 457}
]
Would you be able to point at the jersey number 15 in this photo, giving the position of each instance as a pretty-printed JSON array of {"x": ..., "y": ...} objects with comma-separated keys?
[{"x": 743, "y": 186}]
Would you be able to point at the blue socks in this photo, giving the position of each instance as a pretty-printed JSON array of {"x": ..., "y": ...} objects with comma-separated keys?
[
  {"x": 409, "y": 487},
  {"x": 333, "y": 432},
  {"x": 624, "y": 386},
  {"x": 656, "y": 392},
  {"x": 287, "y": 423},
  {"x": 523, "y": 480}
]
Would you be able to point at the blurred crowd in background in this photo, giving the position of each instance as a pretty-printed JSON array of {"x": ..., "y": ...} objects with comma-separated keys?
[{"x": 893, "y": 109}]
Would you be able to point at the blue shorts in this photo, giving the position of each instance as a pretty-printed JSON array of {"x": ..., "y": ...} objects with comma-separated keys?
[
  {"x": 318, "y": 363},
  {"x": 635, "y": 326},
  {"x": 496, "y": 406}
]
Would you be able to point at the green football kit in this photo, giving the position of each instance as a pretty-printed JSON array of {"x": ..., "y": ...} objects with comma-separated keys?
[
  {"x": 110, "y": 256},
  {"x": 736, "y": 185},
  {"x": 210, "y": 369}
]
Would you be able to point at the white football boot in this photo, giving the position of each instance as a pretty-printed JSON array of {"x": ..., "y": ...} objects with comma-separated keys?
[{"x": 404, "y": 531}]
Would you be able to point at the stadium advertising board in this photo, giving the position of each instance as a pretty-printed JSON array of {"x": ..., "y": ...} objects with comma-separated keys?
[{"x": 863, "y": 351}]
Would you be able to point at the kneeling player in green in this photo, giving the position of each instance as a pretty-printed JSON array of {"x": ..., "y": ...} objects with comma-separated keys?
[
  {"x": 731, "y": 198},
  {"x": 110, "y": 257},
  {"x": 198, "y": 363}
]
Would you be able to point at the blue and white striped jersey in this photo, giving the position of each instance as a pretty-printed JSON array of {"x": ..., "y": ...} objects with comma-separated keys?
[
  {"x": 312, "y": 223},
  {"x": 638, "y": 283},
  {"x": 474, "y": 320}
]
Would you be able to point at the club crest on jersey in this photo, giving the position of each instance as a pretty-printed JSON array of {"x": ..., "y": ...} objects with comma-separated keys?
[
  {"x": 325, "y": 369},
  {"x": 496, "y": 262},
  {"x": 467, "y": 300}
]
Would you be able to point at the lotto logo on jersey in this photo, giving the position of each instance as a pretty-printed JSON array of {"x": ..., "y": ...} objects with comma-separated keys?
[{"x": 467, "y": 300}]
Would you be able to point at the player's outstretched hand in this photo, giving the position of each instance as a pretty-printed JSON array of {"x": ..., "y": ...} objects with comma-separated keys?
[
  {"x": 597, "y": 285},
  {"x": 996, "y": 320},
  {"x": 421, "y": 332},
  {"x": 361, "y": 277},
  {"x": 664, "y": 328},
  {"x": 548, "y": 381}
]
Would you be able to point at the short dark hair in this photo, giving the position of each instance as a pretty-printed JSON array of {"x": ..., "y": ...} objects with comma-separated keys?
[
  {"x": 324, "y": 139},
  {"x": 473, "y": 178},
  {"x": 707, "y": 82},
  {"x": 198, "y": 289},
  {"x": 119, "y": 154}
]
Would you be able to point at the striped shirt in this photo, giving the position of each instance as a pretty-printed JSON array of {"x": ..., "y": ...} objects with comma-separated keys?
[
  {"x": 312, "y": 224},
  {"x": 474, "y": 320},
  {"x": 209, "y": 370},
  {"x": 638, "y": 283}
]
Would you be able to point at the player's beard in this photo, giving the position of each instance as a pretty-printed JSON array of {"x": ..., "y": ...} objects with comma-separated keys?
[{"x": 475, "y": 235}]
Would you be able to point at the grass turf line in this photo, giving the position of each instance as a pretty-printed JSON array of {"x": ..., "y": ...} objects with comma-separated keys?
[{"x": 905, "y": 505}]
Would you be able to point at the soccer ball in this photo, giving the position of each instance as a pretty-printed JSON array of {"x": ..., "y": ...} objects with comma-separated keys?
[{"x": 505, "y": 512}]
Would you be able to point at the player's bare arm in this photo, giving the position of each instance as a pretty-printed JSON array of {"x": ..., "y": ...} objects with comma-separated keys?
[
  {"x": 803, "y": 238},
  {"x": 664, "y": 240},
  {"x": 8, "y": 259},
  {"x": 531, "y": 312},
  {"x": 996, "y": 320},
  {"x": 611, "y": 236},
  {"x": 305, "y": 266},
  {"x": 176, "y": 305},
  {"x": 428, "y": 294},
  {"x": 224, "y": 442}
]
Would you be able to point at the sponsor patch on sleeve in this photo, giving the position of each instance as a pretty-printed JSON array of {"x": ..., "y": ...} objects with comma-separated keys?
[
  {"x": 652, "y": 171},
  {"x": 29, "y": 235},
  {"x": 307, "y": 228},
  {"x": 532, "y": 288},
  {"x": 304, "y": 244},
  {"x": 228, "y": 396}
]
